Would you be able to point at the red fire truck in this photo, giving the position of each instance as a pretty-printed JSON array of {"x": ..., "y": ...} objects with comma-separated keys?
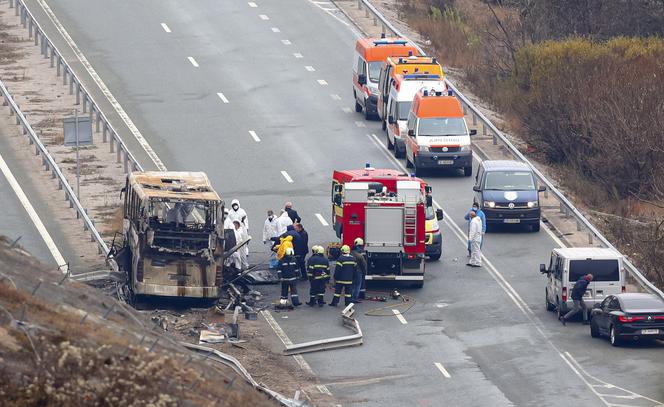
[{"x": 387, "y": 209}]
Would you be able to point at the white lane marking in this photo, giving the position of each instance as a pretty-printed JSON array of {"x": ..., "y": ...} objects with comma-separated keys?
[
  {"x": 263, "y": 17},
  {"x": 347, "y": 109},
  {"x": 222, "y": 97},
  {"x": 286, "y": 42},
  {"x": 255, "y": 136},
  {"x": 309, "y": 68},
  {"x": 334, "y": 96},
  {"x": 360, "y": 123},
  {"x": 323, "y": 389},
  {"x": 297, "y": 55},
  {"x": 442, "y": 369},
  {"x": 330, "y": 11},
  {"x": 252, "y": 4},
  {"x": 286, "y": 341},
  {"x": 193, "y": 61},
  {"x": 50, "y": 244},
  {"x": 288, "y": 178},
  {"x": 322, "y": 220},
  {"x": 165, "y": 27},
  {"x": 399, "y": 316},
  {"x": 275, "y": 30},
  {"x": 102, "y": 86},
  {"x": 322, "y": 82}
]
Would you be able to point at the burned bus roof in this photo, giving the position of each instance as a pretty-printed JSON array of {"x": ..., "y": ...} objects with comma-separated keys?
[{"x": 173, "y": 185}]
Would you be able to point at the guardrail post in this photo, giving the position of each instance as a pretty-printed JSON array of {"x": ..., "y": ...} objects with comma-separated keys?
[
  {"x": 465, "y": 109},
  {"x": 578, "y": 225},
  {"x": 546, "y": 193},
  {"x": 474, "y": 119},
  {"x": 85, "y": 102},
  {"x": 590, "y": 238},
  {"x": 495, "y": 140},
  {"x": 484, "y": 129},
  {"x": 119, "y": 153},
  {"x": 98, "y": 121},
  {"x": 11, "y": 3},
  {"x": 359, "y": 5},
  {"x": 78, "y": 91},
  {"x": 60, "y": 185},
  {"x": 104, "y": 130},
  {"x": 24, "y": 17},
  {"x": 126, "y": 164},
  {"x": 375, "y": 21},
  {"x": 52, "y": 55},
  {"x": 111, "y": 141},
  {"x": 57, "y": 66},
  {"x": 16, "y": 12},
  {"x": 366, "y": 12}
]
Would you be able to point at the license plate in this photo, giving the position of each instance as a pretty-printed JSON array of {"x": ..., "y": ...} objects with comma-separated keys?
[
  {"x": 511, "y": 220},
  {"x": 649, "y": 331},
  {"x": 446, "y": 162}
]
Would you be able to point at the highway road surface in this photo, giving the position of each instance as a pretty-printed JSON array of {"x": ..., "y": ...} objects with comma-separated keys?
[{"x": 258, "y": 95}]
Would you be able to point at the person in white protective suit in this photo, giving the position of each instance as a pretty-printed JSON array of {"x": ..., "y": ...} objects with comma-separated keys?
[
  {"x": 239, "y": 214},
  {"x": 269, "y": 234},
  {"x": 240, "y": 236},
  {"x": 475, "y": 239},
  {"x": 228, "y": 223},
  {"x": 283, "y": 221}
]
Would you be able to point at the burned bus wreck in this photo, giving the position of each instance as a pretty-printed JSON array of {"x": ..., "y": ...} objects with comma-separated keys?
[{"x": 173, "y": 235}]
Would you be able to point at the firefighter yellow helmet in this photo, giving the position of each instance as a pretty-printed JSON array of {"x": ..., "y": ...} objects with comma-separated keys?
[
  {"x": 318, "y": 249},
  {"x": 290, "y": 252},
  {"x": 345, "y": 249},
  {"x": 358, "y": 242}
]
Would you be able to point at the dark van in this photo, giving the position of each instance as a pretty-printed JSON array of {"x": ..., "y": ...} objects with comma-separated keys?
[{"x": 508, "y": 194}]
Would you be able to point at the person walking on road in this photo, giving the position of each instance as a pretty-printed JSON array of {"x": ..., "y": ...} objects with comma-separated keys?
[
  {"x": 292, "y": 213},
  {"x": 283, "y": 222},
  {"x": 318, "y": 271},
  {"x": 475, "y": 239},
  {"x": 579, "y": 289},
  {"x": 269, "y": 233},
  {"x": 476, "y": 208},
  {"x": 238, "y": 214},
  {"x": 344, "y": 270},
  {"x": 287, "y": 272},
  {"x": 359, "y": 278},
  {"x": 301, "y": 249}
]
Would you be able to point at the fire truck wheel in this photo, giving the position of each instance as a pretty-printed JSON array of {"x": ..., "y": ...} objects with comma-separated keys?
[
  {"x": 358, "y": 107},
  {"x": 390, "y": 145},
  {"x": 467, "y": 171},
  {"x": 435, "y": 257}
]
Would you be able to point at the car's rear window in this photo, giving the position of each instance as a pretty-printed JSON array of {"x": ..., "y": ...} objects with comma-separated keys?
[
  {"x": 602, "y": 270},
  {"x": 643, "y": 303}
]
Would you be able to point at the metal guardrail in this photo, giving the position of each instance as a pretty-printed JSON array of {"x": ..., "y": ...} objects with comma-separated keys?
[{"x": 566, "y": 206}]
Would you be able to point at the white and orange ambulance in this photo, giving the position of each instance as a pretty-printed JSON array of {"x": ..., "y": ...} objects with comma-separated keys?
[
  {"x": 370, "y": 53},
  {"x": 399, "y": 100},
  {"x": 438, "y": 137}
]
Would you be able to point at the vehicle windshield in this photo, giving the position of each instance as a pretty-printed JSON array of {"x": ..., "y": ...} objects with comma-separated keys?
[
  {"x": 186, "y": 213},
  {"x": 642, "y": 303},
  {"x": 403, "y": 108},
  {"x": 429, "y": 213},
  {"x": 509, "y": 181},
  {"x": 374, "y": 71},
  {"x": 439, "y": 126},
  {"x": 602, "y": 270}
]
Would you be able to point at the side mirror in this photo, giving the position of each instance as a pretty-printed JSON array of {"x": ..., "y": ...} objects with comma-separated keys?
[
  {"x": 543, "y": 269},
  {"x": 411, "y": 133},
  {"x": 476, "y": 188},
  {"x": 362, "y": 79},
  {"x": 337, "y": 200},
  {"x": 427, "y": 189},
  {"x": 439, "y": 214},
  {"x": 473, "y": 132},
  {"x": 542, "y": 188},
  {"x": 338, "y": 188},
  {"x": 390, "y": 119},
  {"x": 429, "y": 200}
]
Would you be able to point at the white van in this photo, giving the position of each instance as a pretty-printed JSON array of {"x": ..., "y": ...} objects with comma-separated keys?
[
  {"x": 402, "y": 92},
  {"x": 568, "y": 265}
]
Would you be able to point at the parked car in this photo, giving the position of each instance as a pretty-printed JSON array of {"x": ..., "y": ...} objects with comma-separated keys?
[{"x": 628, "y": 316}]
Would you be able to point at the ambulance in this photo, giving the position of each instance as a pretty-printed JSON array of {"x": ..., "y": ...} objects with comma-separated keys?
[
  {"x": 438, "y": 137},
  {"x": 370, "y": 53},
  {"x": 394, "y": 66},
  {"x": 378, "y": 179},
  {"x": 399, "y": 101}
]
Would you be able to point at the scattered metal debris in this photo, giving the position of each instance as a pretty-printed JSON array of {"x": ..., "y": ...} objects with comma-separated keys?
[{"x": 332, "y": 343}]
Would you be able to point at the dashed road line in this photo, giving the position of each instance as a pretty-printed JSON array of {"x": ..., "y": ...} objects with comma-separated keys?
[
  {"x": 102, "y": 86},
  {"x": 255, "y": 137},
  {"x": 347, "y": 109},
  {"x": 443, "y": 370},
  {"x": 322, "y": 220},
  {"x": 263, "y": 17},
  {"x": 399, "y": 316},
  {"x": 275, "y": 30},
  {"x": 222, "y": 97},
  {"x": 322, "y": 82},
  {"x": 309, "y": 68},
  {"x": 360, "y": 123},
  {"x": 34, "y": 217},
  {"x": 252, "y": 4},
  {"x": 334, "y": 96},
  {"x": 193, "y": 61},
  {"x": 288, "y": 178},
  {"x": 286, "y": 42},
  {"x": 165, "y": 27},
  {"x": 297, "y": 55}
]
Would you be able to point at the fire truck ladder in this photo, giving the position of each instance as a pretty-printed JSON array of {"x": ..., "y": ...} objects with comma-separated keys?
[{"x": 410, "y": 222}]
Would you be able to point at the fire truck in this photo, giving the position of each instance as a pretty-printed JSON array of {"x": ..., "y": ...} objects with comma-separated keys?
[{"x": 388, "y": 210}]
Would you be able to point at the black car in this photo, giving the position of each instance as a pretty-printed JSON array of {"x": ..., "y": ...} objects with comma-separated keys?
[{"x": 628, "y": 316}]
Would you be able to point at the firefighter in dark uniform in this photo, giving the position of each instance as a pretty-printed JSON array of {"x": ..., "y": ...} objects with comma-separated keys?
[
  {"x": 287, "y": 270},
  {"x": 318, "y": 271},
  {"x": 344, "y": 271}
]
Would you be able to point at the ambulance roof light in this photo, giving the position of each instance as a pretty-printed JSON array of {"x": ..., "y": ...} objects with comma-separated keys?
[
  {"x": 433, "y": 60},
  {"x": 382, "y": 35},
  {"x": 400, "y": 60},
  {"x": 410, "y": 53},
  {"x": 367, "y": 165},
  {"x": 450, "y": 92},
  {"x": 425, "y": 93},
  {"x": 439, "y": 93}
]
